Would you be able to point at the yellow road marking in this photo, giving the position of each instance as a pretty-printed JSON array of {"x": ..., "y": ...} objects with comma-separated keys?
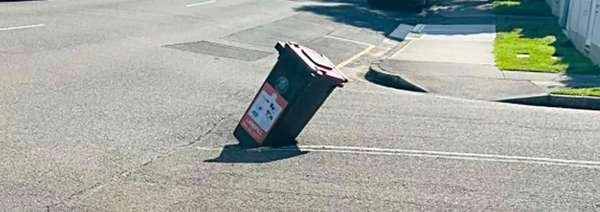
[{"x": 356, "y": 56}]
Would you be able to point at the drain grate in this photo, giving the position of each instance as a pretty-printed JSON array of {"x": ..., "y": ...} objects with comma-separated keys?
[{"x": 220, "y": 50}]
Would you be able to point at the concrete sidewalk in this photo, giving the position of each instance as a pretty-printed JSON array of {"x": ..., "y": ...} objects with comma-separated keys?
[
  {"x": 456, "y": 60},
  {"x": 452, "y": 55}
]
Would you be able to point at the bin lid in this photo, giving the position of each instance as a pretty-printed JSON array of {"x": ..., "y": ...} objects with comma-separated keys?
[{"x": 320, "y": 64}]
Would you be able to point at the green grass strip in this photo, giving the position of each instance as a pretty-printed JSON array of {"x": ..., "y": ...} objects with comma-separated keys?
[
  {"x": 580, "y": 92},
  {"x": 538, "y": 45},
  {"x": 515, "y": 53}
]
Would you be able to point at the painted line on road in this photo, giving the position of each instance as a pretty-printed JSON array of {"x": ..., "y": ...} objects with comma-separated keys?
[
  {"x": 348, "y": 40},
  {"x": 356, "y": 56},
  {"x": 201, "y": 3},
  {"x": 408, "y": 43},
  {"x": 418, "y": 28},
  {"x": 22, "y": 27},
  {"x": 428, "y": 154}
]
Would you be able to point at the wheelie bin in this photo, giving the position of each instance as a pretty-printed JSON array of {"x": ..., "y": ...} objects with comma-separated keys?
[{"x": 296, "y": 87}]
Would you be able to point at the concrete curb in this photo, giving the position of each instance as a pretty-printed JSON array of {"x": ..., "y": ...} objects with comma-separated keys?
[
  {"x": 552, "y": 100},
  {"x": 380, "y": 76}
]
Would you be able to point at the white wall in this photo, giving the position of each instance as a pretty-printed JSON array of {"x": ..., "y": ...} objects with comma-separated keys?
[
  {"x": 583, "y": 26},
  {"x": 580, "y": 13},
  {"x": 556, "y": 6},
  {"x": 594, "y": 27},
  {"x": 581, "y": 19}
]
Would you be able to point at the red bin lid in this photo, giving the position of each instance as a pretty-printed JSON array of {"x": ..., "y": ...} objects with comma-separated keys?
[{"x": 320, "y": 64}]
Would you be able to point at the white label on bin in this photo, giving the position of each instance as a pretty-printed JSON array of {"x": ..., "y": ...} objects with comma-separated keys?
[{"x": 263, "y": 113}]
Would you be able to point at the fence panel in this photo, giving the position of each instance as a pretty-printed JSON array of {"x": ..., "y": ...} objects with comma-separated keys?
[
  {"x": 558, "y": 7},
  {"x": 579, "y": 16},
  {"x": 595, "y": 30}
]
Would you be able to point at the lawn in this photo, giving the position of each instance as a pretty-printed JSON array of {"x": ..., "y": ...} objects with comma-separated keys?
[
  {"x": 537, "y": 45},
  {"x": 520, "y": 8},
  {"x": 515, "y": 53},
  {"x": 580, "y": 92}
]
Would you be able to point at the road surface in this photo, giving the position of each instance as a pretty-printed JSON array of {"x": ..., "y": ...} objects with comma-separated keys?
[{"x": 129, "y": 105}]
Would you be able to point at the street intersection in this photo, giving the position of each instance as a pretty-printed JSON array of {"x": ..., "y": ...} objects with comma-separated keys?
[{"x": 130, "y": 105}]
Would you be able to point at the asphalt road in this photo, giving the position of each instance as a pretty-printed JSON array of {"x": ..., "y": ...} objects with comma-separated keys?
[{"x": 129, "y": 105}]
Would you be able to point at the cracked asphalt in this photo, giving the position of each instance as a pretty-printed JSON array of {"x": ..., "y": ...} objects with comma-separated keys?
[{"x": 98, "y": 114}]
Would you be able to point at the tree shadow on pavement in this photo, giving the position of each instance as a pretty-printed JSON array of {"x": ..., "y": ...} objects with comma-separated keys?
[
  {"x": 236, "y": 153},
  {"x": 357, "y": 13},
  {"x": 460, "y": 12}
]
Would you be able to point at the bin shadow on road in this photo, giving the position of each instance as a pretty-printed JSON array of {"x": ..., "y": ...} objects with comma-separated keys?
[{"x": 236, "y": 153}]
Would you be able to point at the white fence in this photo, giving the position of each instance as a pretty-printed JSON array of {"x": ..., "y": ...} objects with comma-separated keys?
[
  {"x": 581, "y": 19},
  {"x": 560, "y": 8}
]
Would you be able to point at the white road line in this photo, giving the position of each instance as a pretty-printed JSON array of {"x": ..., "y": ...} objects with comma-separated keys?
[
  {"x": 418, "y": 28},
  {"x": 22, "y": 27},
  {"x": 431, "y": 154},
  {"x": 408, "y": 43},
  {"x": 356, "y": 56},
  {"x": 201, "y": 3}
]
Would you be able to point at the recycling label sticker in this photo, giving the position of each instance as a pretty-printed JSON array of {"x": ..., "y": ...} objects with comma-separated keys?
[{"x": 263, "y": 113}]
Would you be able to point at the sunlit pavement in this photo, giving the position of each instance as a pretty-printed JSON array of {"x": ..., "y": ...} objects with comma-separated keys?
[{"x": 130, "y": 106}]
